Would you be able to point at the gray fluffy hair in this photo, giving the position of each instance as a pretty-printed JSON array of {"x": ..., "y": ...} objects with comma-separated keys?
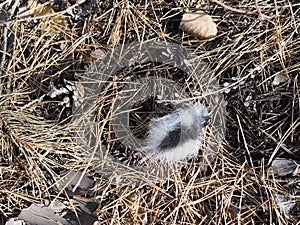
[{"x": 177, "y": 135}]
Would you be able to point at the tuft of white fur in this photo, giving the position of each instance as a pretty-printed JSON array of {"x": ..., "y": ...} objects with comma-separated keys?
[{"x": 189, "y": 121}]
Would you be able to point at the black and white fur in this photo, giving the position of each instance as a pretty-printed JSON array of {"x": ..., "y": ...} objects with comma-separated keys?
[{"x": 177, "y": 135}]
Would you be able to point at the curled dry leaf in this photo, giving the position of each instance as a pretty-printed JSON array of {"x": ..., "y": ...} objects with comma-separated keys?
[
  {"x": 199, "y": 24},
  {"x": 58, "y": 213}
]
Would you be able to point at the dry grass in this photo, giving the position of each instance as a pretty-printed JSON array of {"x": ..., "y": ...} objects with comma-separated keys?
[{"x": 37, "y": 141}]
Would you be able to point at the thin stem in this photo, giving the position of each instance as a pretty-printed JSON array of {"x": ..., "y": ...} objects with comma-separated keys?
[{"x": 244, "y": 11}]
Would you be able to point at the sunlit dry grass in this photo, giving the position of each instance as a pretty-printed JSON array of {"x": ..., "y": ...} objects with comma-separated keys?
[{"x": 245, "y": 58}]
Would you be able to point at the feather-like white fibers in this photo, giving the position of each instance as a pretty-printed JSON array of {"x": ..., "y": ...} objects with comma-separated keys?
[{"x": 177, "y": 135}]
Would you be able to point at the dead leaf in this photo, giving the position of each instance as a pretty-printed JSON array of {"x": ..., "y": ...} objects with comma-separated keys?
[
  {"x": 70, "y": 180},
  {"x": 57, "y": 213},
  {"x": 279, "y": 78},
  {"x": 199, "y": 24},
  {"x": 50, "y": 21},
  {"x": 283, "y": 167},
  {"x": 285, "y": 203},
  {"x": 39, "y": 214}
]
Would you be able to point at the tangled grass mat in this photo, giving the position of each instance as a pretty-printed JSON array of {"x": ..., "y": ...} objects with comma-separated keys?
[{"x": 45, "y": 48}]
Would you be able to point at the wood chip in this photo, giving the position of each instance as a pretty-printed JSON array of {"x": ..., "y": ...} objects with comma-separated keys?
[{"x": 199, "y": 24}]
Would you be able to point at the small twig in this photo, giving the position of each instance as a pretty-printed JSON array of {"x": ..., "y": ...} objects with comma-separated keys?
[
  {"x": 260, "y": 13},
  {"x": 231, "y": 8},
  {"x": 243, "y": 11}
]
